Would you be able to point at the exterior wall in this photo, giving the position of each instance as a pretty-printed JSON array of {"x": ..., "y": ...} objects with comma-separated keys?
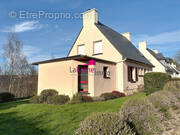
[
  {"x": 101, "y": 84},
  {"x": 87, "y": 37},
  {"x": 130, "y": 87},
  {"x": 57, "y": 76},
  {"x": 120, "y": 76},
  {"x": 158, "y": 66}
]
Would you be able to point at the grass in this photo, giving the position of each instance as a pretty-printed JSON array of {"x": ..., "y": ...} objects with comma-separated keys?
[{"x": 22, "y": 118}]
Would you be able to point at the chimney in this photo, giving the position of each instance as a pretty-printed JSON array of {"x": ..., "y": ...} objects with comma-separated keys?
[
  {"x": 155, "y": 51},
  {"x": 142, "y": 45},
  {"x": 90, "y": 17},
  {"x": 127, "y": 35}
]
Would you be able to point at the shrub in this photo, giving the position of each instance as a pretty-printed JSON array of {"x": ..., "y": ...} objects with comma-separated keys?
[
  {"x": 175, "y": 79},
  {"x": 48, "y": 93},
  {"x": 103, "y": 124},
  {"x": 118, "y": 94},
  {"x": 141, "y": 116},
  {"x": 108, "y": 96},
  {"x": 172, "y": 85},
  {"x": 77, "y": 98},
  {"x": 97, "y": 99},
  {"x": 165, "y": 100},
  {"x": 162, "y": 102},
  {"x": 58, "y": 99},
  {"x": 6, "y": 96},
  {"x": 36, "y": 100},
  {"x": 155, "y": 81},
  {"x": 87, "y": 99}
]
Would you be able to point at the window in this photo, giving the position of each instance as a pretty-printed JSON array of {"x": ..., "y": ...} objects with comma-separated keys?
[
  {"x": 81, "y": 49},
  {"x": 106, "y": 72},
  {"x": 129, "y": 73},
  {"x": 137, "y": 74},
  {"x": 132, "y": 74},
  {"x": 98, "y": 47}
]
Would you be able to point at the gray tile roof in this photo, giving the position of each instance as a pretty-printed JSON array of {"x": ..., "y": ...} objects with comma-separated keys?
[
  {"x": 158, "y": 56},
  {"x": 122, "y": 44}
]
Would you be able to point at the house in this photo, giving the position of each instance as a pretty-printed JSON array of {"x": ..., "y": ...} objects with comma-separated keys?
[
  {"x": 161, "y": 64},
  {"x": 100, "y": 60}
]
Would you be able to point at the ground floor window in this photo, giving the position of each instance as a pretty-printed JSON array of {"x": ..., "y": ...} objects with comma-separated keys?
[
  {"x": 106, "y": 72},
  {"x": 132, "y": 73}
]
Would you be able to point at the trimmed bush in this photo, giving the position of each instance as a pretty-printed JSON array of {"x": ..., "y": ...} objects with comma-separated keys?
[
  {"x": 155, "y": 81},
  {"x": 142, "y": 117},
  {"x": 87, "y": 99},
  {"x": 48, "y": 93},
  {"x": 6, "y": 96},
  {"x": 108, "y": 96},
  {"x": 76, "y": 99},
  {"x": 36, "y": 100},
  {"x": 58, "y": 99},
  {"x": 118, "y": 94},
  {"x": 97, "y": 99},
  {"x": 103, "y": 124}
]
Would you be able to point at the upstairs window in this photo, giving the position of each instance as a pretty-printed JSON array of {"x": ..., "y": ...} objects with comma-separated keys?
[
  {"x": 98, "y": 47},
  {"x": 81, "y": 49}
]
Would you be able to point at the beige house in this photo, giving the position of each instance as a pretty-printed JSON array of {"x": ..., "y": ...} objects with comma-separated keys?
[
  {"x": 100, "y": 60},
  {"x": 161, "y": 64}
]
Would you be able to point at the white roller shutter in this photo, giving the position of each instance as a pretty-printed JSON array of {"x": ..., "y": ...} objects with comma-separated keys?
[
  {"x": 98, "y": 47},
  {"x": 81, "y": 49}
]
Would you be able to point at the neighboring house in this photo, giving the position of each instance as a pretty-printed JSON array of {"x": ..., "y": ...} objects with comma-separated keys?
[
  {"x": 100, "y": 60},
  {"x": 161, "y": 64}
]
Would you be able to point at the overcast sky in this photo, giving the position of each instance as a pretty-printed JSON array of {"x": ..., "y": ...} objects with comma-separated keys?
[{"x": 49, "y": 27}]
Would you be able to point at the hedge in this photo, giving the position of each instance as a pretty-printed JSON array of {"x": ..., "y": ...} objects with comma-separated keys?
[
  {"x": 6, "y": 96},
  {"x": 155, "y": 81}
]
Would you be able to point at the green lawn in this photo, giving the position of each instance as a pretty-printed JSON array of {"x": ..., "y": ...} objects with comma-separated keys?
[{"x": 22, "y": 118}]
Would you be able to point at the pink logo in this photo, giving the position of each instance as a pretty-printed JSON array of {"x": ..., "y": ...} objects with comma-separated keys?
[{"x": 91, "y": 62}]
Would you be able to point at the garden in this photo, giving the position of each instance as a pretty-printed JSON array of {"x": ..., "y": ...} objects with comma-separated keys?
[{"x": 149, "y": 112}]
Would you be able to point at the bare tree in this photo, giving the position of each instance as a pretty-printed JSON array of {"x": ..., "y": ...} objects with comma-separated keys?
[
  {"x": 16, "y": 67},
  {"x": 12, "y": 53}
]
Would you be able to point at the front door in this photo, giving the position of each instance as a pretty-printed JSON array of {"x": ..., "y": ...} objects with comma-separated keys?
[{"x": 82, "y": 78}]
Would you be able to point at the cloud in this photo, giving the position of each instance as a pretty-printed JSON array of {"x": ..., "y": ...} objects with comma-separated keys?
[
  {"x": 25, "y": 26},
  {"x": 31, "y": 50},
  {"x": 162, "y": 38}
]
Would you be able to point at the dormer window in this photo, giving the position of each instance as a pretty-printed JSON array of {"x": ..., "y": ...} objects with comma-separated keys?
[
  {"x": 81, "y": 50},
  {"x": 98, "y": 47}
]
